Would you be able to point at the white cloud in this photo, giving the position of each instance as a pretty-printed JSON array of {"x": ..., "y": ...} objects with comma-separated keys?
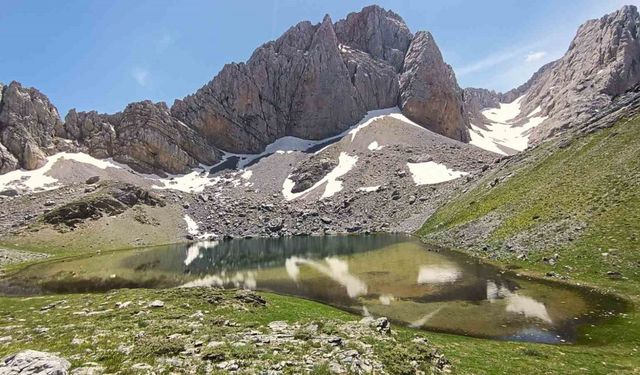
[
  {"x": 494, "y": 59},
  {"x": 141, "y": 76},
  {"x": 535, "y": 56}
]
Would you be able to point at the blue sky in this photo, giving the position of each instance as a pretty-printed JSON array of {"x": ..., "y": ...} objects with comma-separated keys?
[{"x": 103, "y": 54}]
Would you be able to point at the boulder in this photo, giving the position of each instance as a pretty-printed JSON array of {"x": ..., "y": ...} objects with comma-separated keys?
[{"x": 34, "y": 362}]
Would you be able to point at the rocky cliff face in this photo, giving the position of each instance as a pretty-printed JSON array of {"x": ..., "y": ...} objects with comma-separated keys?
[
  {"x": 312, "y": 82},
  {"x": 27, "y": 120},
  {"x": 380, "y": 33},
  {"x": 429, "y": 93},
  {"x": 297, "y": 85},
  {"x": 317, "y": 80},
  {"x": 143, "y": 136},
  {"x": 602, "y": 63}
]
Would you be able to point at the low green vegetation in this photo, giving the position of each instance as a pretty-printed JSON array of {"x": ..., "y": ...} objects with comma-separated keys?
[
  {"x": 204, "y": 330},
  {"x": 592, "y": 184}
]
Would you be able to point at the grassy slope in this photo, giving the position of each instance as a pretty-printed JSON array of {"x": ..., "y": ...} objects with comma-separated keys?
[
  {"x": 118, "y": 338},
  {"x": 596, "y": 180}
]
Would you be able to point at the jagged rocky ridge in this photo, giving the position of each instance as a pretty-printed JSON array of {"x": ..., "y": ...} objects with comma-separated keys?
[
  {"x": 312, "y": 82},
  {"x": 315, "y": 81},
  {"x": 602, "y": 63}
]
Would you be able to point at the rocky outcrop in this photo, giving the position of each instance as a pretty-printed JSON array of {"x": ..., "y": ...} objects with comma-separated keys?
[
  {"x": 34, "y": 362},
  {"x": 144, "y": 136},
  {"x": 380, "y": 33},
  {"x": 110, "y": 201},
  {"x": 313, "y": 82},
  {"x": 476, "y": 100},
  {"x": 602, "y": 62},
  {"x": 27, "y": 121},
  {"x": 429, "y": 93},
  {"x": 96, "y": 132},
  {"x": 309, "y": 172},
  {"x": 317, "y": 80},
  {"x": 297, "y": 85}
]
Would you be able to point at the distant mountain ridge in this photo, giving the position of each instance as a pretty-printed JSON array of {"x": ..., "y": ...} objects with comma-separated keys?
[
  {"x": 602, "y": 63},
  {"x": 315, "y": 81}
]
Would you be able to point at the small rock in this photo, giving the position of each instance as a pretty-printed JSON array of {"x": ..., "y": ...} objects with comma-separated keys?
[
  {"x": 9, "y": 192},
  {"x": 156, "y": 304},
  {"x": 614, "y": 274},
  {"x": 92, "y": 180}
]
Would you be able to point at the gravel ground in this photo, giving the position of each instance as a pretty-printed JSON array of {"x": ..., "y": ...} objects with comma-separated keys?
[{"x": 246, "y": 204}]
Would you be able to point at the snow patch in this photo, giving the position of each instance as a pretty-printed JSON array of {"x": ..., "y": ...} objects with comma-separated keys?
[
  {"x": 194, "y": 230},
  {"x": 370, "y": 118},
  {"x": 505, "y": 111},
  {"x": 502, "y": 134},
  {"x": 369, "y": 189},
  {"x": 38, "y": 179},
  {"x": 246, "y": 175},
  {"x": 333, "y": 185},
  {"x": 432, "y": 173},
  {"x": 374, "y": 146},
  {"x": 192, "y": 226}
]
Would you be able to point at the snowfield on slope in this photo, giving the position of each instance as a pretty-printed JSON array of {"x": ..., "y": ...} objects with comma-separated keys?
[
  {"x": 333, "y": 185},
  {"x": 40, "y": 179},
  {"x": 502, "y": 134},
  {"x": 430, "y": 172}
]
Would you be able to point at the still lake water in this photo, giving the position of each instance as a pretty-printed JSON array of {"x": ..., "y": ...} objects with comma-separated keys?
[{"x": 380, "y": 275}]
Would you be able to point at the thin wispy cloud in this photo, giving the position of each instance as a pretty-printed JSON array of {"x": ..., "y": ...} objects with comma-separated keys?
[
  {"x": 495, "y": 59},
  {"x": 165, "y": 40},
  {"x": 141, "y": 76},
  {"x": 535, "y": 56}
]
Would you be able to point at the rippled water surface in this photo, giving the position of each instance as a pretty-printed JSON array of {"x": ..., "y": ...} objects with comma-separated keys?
[{"x": 381, "y": 275}]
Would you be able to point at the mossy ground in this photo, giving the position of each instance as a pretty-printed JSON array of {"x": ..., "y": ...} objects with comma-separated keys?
[{"x": 198, "y": 329}]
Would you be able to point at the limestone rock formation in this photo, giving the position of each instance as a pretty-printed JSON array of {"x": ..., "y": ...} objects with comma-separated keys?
[
  {"x": 476, "y": 100},
  {"x": 380, "y": 33},
  {"x": 144, "y": 136},
  {"x": 317, "y": 80},
  {"x": 297, "y": 85},
  {"x": 27, "y": 120},
  {"x": 34, "y": 362},
  {"x": 603, "y": 61},
  {"x": 429, "y": 93}
]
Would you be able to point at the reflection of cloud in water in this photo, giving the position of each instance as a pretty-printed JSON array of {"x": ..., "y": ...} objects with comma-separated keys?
[
  {"x": 386, "y": 299},
  {"x": 518, "y": 304},
  {"x": 292, "y": 268},
  {"x": 438, "y": 274},
  {"x": 193, "y": 252},
  {"x": 422, "y": 321},
  {"x": 334, "y": 268},
  {"x": 212, "y": 280},
  {"x": 239, "y": 280},
  {"x": 528, "y": 306}
]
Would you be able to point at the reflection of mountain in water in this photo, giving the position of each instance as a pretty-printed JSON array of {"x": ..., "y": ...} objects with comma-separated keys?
[{"x": 214, "y": 257}]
